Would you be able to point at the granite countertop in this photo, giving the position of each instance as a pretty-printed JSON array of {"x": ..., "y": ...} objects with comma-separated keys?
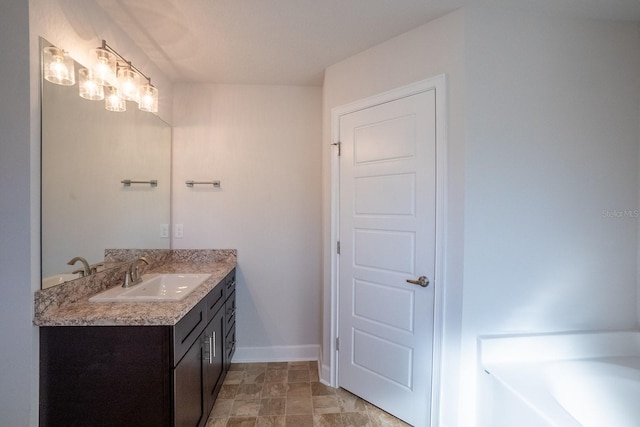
[{"x": 55, "y": 310}]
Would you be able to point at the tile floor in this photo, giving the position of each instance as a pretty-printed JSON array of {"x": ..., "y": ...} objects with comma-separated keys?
[{"x": 289, "y": 394}]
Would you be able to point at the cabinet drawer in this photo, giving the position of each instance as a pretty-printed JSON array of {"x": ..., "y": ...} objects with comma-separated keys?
[
  {"x": 215, "y": 300},
  {"x": 230, "y": 312},
  {"x": 230, "y": 343},
  {"x": 187, "y": 330},
  {"x": 230, "y": 283}
]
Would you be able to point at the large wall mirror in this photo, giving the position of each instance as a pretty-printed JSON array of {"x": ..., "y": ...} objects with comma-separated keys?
[{"x": 87, "y": 152}]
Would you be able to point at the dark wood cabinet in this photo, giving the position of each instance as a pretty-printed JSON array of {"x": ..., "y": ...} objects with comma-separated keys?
[{"x": 139, "y": 375}]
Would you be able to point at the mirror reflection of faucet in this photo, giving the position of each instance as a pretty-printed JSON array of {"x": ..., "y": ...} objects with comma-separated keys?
[
  {"x": 132, "y": 276},
  {"x": 86, "y": 268}
]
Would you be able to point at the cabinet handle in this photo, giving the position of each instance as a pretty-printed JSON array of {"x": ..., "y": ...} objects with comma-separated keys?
[
  {"x": 213, "y": 339},
  {"x": 212, "y": 349}
]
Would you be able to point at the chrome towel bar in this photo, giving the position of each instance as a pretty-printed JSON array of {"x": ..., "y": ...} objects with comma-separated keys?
[
  {"x": 128, "y": 182},
  {"x": 216, "y": 184}
]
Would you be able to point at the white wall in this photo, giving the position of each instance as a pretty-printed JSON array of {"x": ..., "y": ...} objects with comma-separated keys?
[
  {"x": 552, "y": 145},
  {"x": 19, "y": 357},
  {"x": 427, "y": 51},
  {"x": 263, "y": 144}
]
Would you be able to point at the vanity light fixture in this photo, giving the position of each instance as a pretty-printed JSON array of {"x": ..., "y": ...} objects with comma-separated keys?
[
  {"x": 148, "y": 98},
  {"x": 111, "y": 77},
  {"x": 128, "y": 82},
  {"x": 58, "y": 66},
  {"x": 113, "y": 101},
  {"x": 89, "y": 88},
  {"x": 103, "y": 65}
]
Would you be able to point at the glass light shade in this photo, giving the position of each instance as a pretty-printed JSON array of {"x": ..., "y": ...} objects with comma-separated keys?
[
  {"x": 89, "y": 89},
  {"x": 128, "y": 84},
  {"x": 58, "y": 66},
  {"x": 148, "y": 98},
  {"x": 103, "y": 67},
  {"x": 113, "y": 101}
]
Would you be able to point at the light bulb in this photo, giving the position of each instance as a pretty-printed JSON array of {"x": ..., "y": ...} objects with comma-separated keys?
[
  {"x": 148, "y": 98},
  {"x": 113, "y": 101},
  {"x": 103, "y": 67},
  {"x": 88, "y": 87},
  {"x": 128, "y": 84},
  {"x": 58, "y": 66}
]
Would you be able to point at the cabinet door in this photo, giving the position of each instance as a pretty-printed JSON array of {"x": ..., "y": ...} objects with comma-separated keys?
[
  {"x": 213, "y": 357},
  {"x": 189, "y": 391}
]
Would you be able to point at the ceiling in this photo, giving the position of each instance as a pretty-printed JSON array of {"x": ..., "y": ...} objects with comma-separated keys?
[{"x": 291, "y": 42}]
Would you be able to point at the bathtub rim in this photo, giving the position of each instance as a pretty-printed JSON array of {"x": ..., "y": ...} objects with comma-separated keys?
[{"x": 516, "y": 362}]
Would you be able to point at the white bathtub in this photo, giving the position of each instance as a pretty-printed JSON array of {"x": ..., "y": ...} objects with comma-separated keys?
[{"x": 563, "y": 380}]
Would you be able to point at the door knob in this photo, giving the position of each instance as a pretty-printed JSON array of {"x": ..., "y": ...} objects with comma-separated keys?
[{"x": 422, "y": 281}]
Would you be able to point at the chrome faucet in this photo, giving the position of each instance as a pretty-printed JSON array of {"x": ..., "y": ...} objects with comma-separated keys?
[
  {"x": 132, "y": 276},
  {"x": 86, "y": 269}
]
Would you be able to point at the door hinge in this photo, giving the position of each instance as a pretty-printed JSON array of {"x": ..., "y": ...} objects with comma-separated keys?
[
  {"x": 339, "y": 144},
  {"x": 338, "y": 247},
  {"x": 337, "y": 344}
]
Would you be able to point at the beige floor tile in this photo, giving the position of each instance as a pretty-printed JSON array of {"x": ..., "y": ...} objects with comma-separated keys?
[
  {"x": 325, "y": 404},
  {"x": 298, "y": 365},
  {"x": 271, "y": 421},
  {"x": 234, "y": 377},
  {"x": 319, "y": 389},
  {"x": 241, "y": 422},
  {"x": 298, "y": 376},
  {"x": 380, "y": 418},
  {"x": 299, "y": 390},
  {"x": 256, "y": 367},
  {"x": 327, "y": 420},
  {"x": 274, "y": 406},
  {"x": 277, "y": 365},
  {"x": 245, "y": 408},
  {"x": 356, "y": 419},
  {"x": 222, "y": 408},
  {"x": 351, "y": 404},
  {"x": 276, "y": 376},
  {"x": 249, "y": 391},
  {"x": 289, "y": 394},
  {"x": 228, "y": 391},
  {"x": 299, "y": 421},
  {"x": 217, "y": 422},
  {"x": 299, "y": 406},
  {"x": 253, "y": 377},
  {"x": 270, "y": 390}
]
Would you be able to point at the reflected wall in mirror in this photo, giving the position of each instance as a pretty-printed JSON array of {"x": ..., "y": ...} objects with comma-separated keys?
[{"x": 86, "y": 152}]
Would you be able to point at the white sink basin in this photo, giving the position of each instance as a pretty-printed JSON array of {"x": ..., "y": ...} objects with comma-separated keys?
[{"x": 154, "y": 287}]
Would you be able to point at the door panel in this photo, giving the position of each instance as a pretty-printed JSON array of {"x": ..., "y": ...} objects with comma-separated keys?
[
  {"x": 394, "y": 315},
  {"x": 401, "y": 188},
  {"x": 370, "y": 140},
  {"x": 387, "y": 236},
  {"x": 396, "y": 367}
]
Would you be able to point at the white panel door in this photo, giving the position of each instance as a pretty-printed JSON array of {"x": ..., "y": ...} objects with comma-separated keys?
[{"x": 387, "y": 236}]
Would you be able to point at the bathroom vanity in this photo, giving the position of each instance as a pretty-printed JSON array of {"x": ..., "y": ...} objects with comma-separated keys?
[{"x": 143, "y": 364}]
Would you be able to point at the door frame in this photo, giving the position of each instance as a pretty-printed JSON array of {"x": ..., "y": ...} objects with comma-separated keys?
[{"x": 437, "y": 83}]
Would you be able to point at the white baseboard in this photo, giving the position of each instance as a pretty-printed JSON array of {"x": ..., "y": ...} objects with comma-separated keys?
[{"x": 292, "y": 353}]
